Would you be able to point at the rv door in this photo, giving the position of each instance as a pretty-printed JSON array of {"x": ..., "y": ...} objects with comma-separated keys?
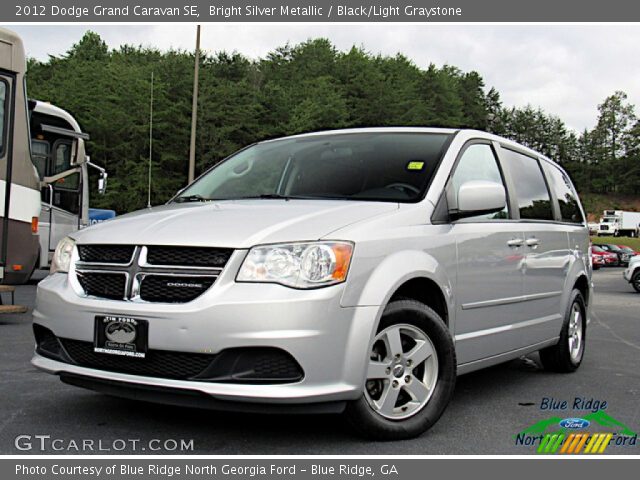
[{"x": 61, "y": 202}]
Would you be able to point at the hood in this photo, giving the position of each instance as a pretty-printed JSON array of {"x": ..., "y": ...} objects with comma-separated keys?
[{"x": 233, "y": 223}]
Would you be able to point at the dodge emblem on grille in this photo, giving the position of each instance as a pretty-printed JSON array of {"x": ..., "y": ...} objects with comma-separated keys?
[{"x": 184, "y": 285}]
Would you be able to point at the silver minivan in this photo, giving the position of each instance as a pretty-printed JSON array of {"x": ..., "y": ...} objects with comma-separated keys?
[{"x": 356, "y": 271}]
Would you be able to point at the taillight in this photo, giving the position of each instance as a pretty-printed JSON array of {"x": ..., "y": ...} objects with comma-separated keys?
[{"x": 34, "y": 224}]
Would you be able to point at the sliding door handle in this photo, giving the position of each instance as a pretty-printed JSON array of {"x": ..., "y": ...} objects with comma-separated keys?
[{"x": 533, "y": 242}]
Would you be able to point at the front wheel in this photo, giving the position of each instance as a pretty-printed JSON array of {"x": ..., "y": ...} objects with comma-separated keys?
[
  {"x": 410, "y": 377},
  {"x": 635, "y": 281},
  {"x": 566, "y": 356}
]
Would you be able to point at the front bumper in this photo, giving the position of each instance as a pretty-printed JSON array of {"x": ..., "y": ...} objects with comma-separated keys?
[{"x": 329, "y": 342}]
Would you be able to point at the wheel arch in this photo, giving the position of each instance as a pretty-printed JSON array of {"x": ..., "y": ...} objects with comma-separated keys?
[
  {"x": 410, "y": 274},
  {"x": 582, "y": 284}
]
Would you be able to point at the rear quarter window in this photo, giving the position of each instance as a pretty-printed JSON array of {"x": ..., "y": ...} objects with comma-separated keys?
[
  {"x": 566, "y": 195},
  {"x": 534, "y": 200}
]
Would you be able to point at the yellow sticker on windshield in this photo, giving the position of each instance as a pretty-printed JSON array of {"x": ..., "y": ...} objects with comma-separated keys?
[{"x": 415, "y": 165}]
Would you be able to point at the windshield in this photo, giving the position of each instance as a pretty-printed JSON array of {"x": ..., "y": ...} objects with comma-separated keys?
[{"x": 390, "y": 167}]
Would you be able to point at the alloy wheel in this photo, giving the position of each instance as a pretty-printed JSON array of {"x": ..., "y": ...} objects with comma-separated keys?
[
  {"x": 575, "y": 332},
  {"x": 402, "y": 372}
]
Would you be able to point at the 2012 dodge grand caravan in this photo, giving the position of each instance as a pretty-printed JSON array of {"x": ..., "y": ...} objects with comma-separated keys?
[{"x": 358, "y": 270}]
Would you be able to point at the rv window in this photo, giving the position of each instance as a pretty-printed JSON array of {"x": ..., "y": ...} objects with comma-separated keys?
[
  {"x": 62, "y": 158},
  {"x": 3, "y": 113},
  {"x": 39, "y": 156},
  {"x": 66, "y": 193}
]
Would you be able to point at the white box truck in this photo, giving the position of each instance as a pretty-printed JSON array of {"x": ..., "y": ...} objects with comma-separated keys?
[{"x": 618, "y": 223}]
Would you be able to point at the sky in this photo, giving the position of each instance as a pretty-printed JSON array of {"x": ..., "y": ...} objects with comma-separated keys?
[{"x": 565, "y": 69}]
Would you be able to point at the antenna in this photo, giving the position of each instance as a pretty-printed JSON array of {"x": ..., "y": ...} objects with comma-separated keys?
[{"x": 150, "y": 142}]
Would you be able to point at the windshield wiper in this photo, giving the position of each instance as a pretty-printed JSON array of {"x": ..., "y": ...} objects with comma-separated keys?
[
  {"x": 267, "y": 196},
  {"x": 191, "y": 198}
]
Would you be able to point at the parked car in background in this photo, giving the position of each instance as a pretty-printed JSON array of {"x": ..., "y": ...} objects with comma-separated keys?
[
  {"x": 608, "y": 258},
  {"x": 623, "y": 256},
  {"x": 597, "y": 261},
  {"x": 632, "y": 273},
  {"x": 593, "y": 228},
  {"x": 632, "y": 252}
]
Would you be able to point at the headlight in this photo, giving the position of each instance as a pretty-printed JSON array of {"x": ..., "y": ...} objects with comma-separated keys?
[
  {"x": 62, "y": 256},
  {"x": 298, "y": 265}
]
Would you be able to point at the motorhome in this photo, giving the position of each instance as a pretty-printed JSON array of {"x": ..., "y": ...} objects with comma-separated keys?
[
  {"x": 58, "y": 152},
  {"x": 19, "y": 183}
]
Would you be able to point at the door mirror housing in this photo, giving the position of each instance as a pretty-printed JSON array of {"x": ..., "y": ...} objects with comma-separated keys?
[
  {"x": 479, "y": 197},
  {"x": 102, "y": 183}
]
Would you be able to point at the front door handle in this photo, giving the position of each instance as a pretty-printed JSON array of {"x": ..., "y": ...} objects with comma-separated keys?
[
  {"x": 533, "y": 242},
  {"x": 515, "y": 242}
]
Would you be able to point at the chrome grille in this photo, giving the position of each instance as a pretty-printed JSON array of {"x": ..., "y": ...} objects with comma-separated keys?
[{"x": 175, "y": 274}]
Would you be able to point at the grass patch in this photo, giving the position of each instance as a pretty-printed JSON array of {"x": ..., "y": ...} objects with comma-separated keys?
[
  {"x": 595, "y": 204},
  {"x": 631, "y": 242}
]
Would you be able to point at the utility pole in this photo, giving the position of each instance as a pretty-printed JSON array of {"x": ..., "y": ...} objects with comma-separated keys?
[
  {"x": 150, "y": 143},
  {"x": 194, "y": 110}
]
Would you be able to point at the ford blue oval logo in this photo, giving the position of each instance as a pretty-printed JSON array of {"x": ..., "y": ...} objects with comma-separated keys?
[{"x": 574, "y": 423}]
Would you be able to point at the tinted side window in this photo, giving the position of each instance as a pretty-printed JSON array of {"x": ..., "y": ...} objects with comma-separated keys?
[
  {"x": 534, "y": 201},
  {"x": 478, "y": 163},
  {"x": 567, "y": 198}
]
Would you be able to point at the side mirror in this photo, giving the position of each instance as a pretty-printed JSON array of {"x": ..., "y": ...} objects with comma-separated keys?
[
  {"x": 479, "y": 197},
  {"x": 102, "y": 183}
]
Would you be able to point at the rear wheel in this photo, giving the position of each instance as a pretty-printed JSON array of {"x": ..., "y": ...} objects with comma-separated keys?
[
  {"x": 566, "y": 356},
  {"x": 635, "y": 281},
  {"x": 410, "y": 377}
]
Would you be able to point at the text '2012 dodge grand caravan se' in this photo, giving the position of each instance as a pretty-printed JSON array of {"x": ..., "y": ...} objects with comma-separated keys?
[{"x": 357, "y": 270}]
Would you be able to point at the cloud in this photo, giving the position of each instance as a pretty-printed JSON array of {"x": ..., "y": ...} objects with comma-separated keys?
[{"x": 565, "y": 69}]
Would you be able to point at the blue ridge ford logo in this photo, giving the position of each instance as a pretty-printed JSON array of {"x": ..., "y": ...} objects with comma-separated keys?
[{"x": 574, "y": 423}]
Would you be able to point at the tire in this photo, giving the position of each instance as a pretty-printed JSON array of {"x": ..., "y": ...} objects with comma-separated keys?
[
  {"x": 564, "y": 357},
  {"x": 406, "y": 415},
  {"x": 635, "y": 281}
]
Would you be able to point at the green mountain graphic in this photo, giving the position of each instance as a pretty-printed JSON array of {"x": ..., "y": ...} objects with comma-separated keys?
[
  {"x": 600, "y": 417},
  {"x": 542, "y": 426}
]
